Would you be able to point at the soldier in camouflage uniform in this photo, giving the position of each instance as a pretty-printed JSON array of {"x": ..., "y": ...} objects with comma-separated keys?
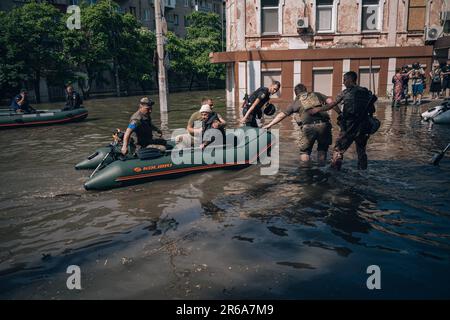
[
  {"x": 313, "y": 128},
  {"x": 354, "y": 120}
]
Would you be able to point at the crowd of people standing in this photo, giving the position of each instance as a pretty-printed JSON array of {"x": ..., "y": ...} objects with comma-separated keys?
[{"x": 411, "y": 81}]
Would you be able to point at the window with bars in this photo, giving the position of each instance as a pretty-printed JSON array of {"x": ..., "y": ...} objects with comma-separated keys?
[{"x": 269, "y": 16}]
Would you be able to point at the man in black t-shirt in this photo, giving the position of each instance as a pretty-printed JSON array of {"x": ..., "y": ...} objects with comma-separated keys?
[{"x": 254, "y": 103}]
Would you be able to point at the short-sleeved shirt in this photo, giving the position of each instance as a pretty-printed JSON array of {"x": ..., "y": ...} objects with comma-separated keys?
[
  {"x": 15, "y": 104},
  {"x": 262, "y": 94},
  {"x": 143, "y": 128},
  {"x": 417, "y": 76},
  {"x": 306, "y": 101}
]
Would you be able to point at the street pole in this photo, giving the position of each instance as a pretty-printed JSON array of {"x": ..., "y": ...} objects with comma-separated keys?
[{"x": 160, "y": 51}]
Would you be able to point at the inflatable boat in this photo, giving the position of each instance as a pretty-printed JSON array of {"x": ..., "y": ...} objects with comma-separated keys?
[
  {"x": 242, "y": 148},
  {"x": 41, "y": 117},
  {"x": 438, "y": 114},
  {"x": 442, "y": 118}
]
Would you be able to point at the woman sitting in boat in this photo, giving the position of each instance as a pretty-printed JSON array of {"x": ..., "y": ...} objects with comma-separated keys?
[
  {"x": 141, "y": 128},
  {"x": 20, "y": 103}
]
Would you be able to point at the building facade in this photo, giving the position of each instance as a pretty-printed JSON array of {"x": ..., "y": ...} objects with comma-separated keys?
[
  {"x": 175, "y": 12},
  {"x": 315, "y": 41}
]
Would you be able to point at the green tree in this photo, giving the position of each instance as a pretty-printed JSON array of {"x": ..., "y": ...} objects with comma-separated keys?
[
  {"x": 203, "y": 37},
  {"x": 136, "y": 46},
  {"x": 87, "y": 49},
  {"x": 31, "y": 38}
]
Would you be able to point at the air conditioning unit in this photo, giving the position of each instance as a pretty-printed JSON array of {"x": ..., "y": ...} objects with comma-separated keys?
[
  {"x": 433, "y": 33},
  {"x": 303, "y": 23}
]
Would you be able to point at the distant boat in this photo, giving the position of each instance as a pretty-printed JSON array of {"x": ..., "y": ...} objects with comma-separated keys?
[{"x": 10, "y": 119}]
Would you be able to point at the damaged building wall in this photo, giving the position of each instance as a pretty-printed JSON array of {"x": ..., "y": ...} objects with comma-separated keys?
[
  {"x": 264, "y": 42},
  {"x": 347, "y": 33}
]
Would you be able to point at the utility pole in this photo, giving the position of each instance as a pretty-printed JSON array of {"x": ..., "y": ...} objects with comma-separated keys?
[{"x": 160, "y": 51}]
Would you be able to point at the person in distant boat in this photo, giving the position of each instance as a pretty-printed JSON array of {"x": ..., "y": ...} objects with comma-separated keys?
[
  {"x": 313, "y": 128},
  {"x": 73, "y": 99},
  {"x": 141, "y": 128},
  {"x": 258, "y": 99},
  {"x": 187, "y": 140},
  {"x": 20, "y": 103}
]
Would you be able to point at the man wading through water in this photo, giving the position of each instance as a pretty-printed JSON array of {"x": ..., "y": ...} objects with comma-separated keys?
[
  {"x": 313, "y": 128},
  {"x": 354, "y": 120}
]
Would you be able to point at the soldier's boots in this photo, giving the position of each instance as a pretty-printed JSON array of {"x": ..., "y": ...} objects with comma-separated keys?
[{"x": 336, "y": 161}]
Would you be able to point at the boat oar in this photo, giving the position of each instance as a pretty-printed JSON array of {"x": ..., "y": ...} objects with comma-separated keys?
[
  {"x": 438, "y": 156},
  {"x": 103, "y": 161}
]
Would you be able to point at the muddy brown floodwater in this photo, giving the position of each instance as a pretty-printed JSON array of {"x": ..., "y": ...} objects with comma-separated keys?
[{"x": 303, "y": 233}]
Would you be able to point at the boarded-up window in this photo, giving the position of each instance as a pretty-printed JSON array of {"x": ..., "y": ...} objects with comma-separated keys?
[
  {"x": 269, "y": 76},
  {"x": 416, "y": 15},
  {"x": 368, "y": 80},
  {"x": 323, "y": 81}
]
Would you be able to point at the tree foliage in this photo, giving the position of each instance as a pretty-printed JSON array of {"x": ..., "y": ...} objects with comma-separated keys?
[{"x": 36, "y": 44}]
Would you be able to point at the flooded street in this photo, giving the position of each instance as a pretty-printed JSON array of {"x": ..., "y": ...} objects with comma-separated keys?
[{"x": 303, "y": 233}]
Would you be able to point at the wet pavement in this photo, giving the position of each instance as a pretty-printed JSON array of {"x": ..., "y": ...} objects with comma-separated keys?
[{"x": 303, "y": 233}]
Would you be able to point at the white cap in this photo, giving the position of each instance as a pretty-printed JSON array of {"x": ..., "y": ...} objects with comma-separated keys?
[{"x": 205, "y": 108}]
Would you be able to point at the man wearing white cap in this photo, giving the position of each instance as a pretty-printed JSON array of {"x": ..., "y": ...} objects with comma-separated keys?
[{"x": 141, "y": 128}]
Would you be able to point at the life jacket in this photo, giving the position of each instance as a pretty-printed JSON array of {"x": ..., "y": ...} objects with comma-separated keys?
[
  {"x": 206, "y": 125},
  {"x": 143, "y": 134},
  {"x": 309, "y": 100}
]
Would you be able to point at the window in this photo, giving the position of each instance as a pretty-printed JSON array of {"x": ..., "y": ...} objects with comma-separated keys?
[
  {"x": 416, "y": 15},
  {"x": 175, "y": 19},
  {"x": 368, "y": 80},
  {"x": 324, "y": 16},
  {"x": 133, "y": 11},
  {"x": 269, "y": 16},
  {"x": 269, "y": 76},
  {"x": 186, "y": 3},
  {"x": 186, "y": 21},
  {"x": 323, "y": 81},
  {"x": 146, "y": 14},
  {"x": 370, "y": 16}
]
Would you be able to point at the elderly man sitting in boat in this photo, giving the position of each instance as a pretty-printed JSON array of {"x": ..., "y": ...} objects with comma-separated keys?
[
  {"x": 20, "y": 103},
  {"x": 189, "y": 139}
]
